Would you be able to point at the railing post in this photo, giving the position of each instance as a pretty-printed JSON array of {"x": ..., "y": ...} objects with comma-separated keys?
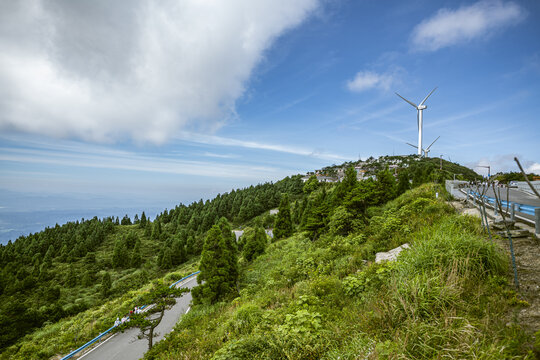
[
  {"x": 495, "y": 208},
  {"x": 513, "y": 212},
  {"x": 537, "y": 221}
]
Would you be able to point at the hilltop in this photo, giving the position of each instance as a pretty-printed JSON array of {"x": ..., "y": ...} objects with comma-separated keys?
[{"x": 314, "y": 291}]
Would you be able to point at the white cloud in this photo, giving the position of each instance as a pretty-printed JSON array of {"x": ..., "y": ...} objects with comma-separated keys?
[
  {"x": 365, "y": 80},
  {"x": 145, "y": 69},
  {"x": 534, "y": 168},
  {"x": 504, "y": 163},
  {"x": 224, "y": 141},
  {"x": 450, "y": 27}
]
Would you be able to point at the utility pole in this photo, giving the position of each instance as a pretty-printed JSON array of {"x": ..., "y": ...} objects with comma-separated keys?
[{"x": 488, "y": 167}]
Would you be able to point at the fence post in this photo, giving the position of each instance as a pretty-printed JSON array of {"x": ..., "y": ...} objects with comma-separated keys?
[
  {"x": 495, "y": 209},
  {"x": 537, "y": 221},
  {"x": 513, "y": 212}
]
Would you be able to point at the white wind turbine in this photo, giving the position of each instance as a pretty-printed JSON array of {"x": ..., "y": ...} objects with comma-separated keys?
[
  {"x": 419, "y": 107},
  {"x": 426, "y": 150}
]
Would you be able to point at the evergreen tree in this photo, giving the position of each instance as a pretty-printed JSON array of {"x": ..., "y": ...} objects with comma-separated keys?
[
  {"x": 385, "y": 186},
  {"x": 255, "y": 242},
  {"x": 106, "y": 284},
  {"x": 179, "y": 255},
  {"x": 148, "y": 229},
  {"x": 214, "y": 267},
  {"x": 156, "y": 231},
  {"x": 88, "y": 279},
  {"x": 136, "y": 219},
  {"x": 317, "y": 218},
  {"x": 130, "y": 240},
  {"x": 142, "y": 223},
  {"x": 71, "y": 277},
  {"x": 230, "y": 242},
  {"x": 311, "y": 185},
  {"x": 119, "y": 258},
  {"x": 403, "y": 182},
  {"x": 166, "y": 261},
  {"x": 283, "y": 227},
  {"x": 136, "y": 257},
  {"x": 126, "y": 220}
]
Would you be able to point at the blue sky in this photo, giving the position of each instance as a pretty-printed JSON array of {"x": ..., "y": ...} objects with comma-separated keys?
[{"x": 152, "y": 103}]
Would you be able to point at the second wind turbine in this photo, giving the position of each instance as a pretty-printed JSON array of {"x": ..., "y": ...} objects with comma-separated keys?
[{"x": 419, "y": 107}]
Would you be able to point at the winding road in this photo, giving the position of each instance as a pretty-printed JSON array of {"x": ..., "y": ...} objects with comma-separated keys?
[{"x": 128, "y": 346}]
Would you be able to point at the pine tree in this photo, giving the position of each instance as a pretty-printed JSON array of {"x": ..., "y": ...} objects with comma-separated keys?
[
  {"x": 317, "y": 219},
  {"x": 179, "y": 255},
  {"x": 148, "y": 229},
  {"x": 230, "y": 243},
  {"x": 119, "y": 258},
  {"x": 255, "y": 242},
  {"x": 156, "y": 231},
  {"x": 283, "y": 226},
  {"x": 106, "y": 284},
  {"x": 71, "y": 277},
  {"x": 166, "y": 261},
  {"x": 136, "y": 257},
  {"x": 214, "y": 267},
  {"x": 403, "y": 183},
  {"x": 142, "y": 223}
]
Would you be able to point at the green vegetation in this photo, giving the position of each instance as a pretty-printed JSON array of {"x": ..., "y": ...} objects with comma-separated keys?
[
  {"x": 314, "y": 292},
  {"x": 65, "y": 270},
  {"x": 446, "y": 297}
]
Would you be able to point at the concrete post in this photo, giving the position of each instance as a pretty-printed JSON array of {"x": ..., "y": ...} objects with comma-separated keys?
[
  {"x": 537, "y": 221},
  {"x": 513, "y": 212},
  {"x": 495, "y": 209}
]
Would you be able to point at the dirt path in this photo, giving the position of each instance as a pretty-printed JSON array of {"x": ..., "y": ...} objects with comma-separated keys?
[{"x": 527, "y": 253}]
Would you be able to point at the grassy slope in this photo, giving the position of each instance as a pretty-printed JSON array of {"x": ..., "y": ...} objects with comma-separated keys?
[{"x": 446, "y": 297}]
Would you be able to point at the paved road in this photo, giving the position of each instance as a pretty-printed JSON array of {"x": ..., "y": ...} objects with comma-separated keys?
[
  {"x": 127, "y": 345},
  {"x": 515, "y": 196}
]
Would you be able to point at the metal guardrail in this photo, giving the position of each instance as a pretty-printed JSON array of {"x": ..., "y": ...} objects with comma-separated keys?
[
  {"x": 71, "y": 354},
  {"x": 523, "y": 208}
]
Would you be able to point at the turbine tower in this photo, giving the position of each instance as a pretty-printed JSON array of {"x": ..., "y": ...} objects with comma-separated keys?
[
  {"x": 426, "y": 150},
  {"x": 420, "y": 108}
]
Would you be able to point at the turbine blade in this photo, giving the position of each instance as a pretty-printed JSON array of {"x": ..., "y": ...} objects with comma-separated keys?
[
  {"x": 433, "y": 143},
  {"x": 413, "y": 104},
  {"x": 423, "y": 101},
  {"x": 414, "y": 146}
]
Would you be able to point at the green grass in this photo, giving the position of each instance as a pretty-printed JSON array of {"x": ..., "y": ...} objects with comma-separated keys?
[{"x": 447, "y": 297}]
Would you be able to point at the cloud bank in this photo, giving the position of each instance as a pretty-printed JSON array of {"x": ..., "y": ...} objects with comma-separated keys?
[
  {"x": 451, "y": 27},
  {"x": 366, "y": 80},
  {"x": 143, "y": 69}
]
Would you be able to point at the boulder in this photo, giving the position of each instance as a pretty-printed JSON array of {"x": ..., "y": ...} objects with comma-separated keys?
[{"x": 390, "y": 255}]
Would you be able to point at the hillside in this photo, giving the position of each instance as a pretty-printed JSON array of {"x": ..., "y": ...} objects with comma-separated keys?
[
  {"x": 60, "y": 271},
  {"x": 449, "y": 296},
  {"x": 313, "y": 292}
]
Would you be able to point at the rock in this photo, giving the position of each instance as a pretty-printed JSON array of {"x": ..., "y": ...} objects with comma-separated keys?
[
  {"x": 390, "y": 255},
  {"x": 500, "y": 224},
  {"x": 520, "y": 233},
  {"x": 472, "y": 212}
]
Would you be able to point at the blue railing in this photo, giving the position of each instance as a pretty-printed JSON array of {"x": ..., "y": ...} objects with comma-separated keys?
[
  {"x": 522, "y": 208},
  {"x": 112, "y": 327}
]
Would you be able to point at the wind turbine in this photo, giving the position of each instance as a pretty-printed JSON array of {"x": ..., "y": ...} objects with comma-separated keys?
[
  {"x": 420, "y": 108},
  {"x": 426, "y": 150}
]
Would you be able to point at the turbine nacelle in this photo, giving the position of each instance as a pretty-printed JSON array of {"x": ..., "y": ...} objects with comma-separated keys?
[{"x": 421, "y": 107}]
